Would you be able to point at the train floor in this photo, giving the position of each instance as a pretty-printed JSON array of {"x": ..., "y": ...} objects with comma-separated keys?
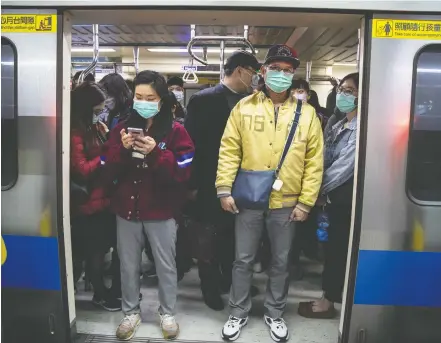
[{"x": 198, "y": 323}]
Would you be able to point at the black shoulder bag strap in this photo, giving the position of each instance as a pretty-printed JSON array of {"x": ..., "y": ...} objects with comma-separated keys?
[{"x": 290, "y": 137}]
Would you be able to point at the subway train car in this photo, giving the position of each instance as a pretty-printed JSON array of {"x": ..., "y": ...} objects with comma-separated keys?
[{"x": 393, "y": 280}]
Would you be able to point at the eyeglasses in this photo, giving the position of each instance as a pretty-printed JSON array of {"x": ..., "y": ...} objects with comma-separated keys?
[
  {"x": 345, "y": 91},
  {"x": 286, "y": 71}
]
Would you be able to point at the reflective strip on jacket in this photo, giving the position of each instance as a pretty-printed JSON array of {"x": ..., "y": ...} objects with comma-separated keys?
[{"x": 254, "y": 141}]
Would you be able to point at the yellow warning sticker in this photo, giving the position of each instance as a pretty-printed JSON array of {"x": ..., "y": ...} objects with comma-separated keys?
[
  {"x": 29, "y": 23},
  {"x": 406, "y": 29}
]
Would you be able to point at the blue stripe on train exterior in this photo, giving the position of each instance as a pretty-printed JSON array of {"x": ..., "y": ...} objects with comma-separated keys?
[
  {"x": 185, "y": 160},
  {"x": 32, "y": 263},
  {"x": 398, "y": 278}
]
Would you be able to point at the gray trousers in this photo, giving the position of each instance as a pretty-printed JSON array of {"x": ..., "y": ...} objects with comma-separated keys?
[
  {"x": 248, "y": 230},
  {"x": 162, "y": 237}
]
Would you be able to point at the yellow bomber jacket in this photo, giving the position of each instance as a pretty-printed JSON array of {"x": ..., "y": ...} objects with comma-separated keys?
[{"x": 252, "y": 140}]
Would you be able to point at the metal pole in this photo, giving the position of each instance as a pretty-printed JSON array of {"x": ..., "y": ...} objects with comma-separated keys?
[
  {"x": 245, "y": 31},
  {"x": 96, "y": 52},
  {"x": 136, "y": 59},
  {"x": 358, "y": 50},
  {"x": 222, "y": 59},
  {"x": 308, "y": 70}
]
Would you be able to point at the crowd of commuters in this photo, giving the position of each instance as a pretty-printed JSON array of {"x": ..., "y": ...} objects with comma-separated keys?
[{"x": 234, "y": 178}]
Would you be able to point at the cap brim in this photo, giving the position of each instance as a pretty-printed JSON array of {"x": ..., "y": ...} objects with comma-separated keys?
[{"x": 294, "y": 61}]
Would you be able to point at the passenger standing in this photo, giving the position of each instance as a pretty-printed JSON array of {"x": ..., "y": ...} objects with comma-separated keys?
[
  {"x": 93, "y": 226},
  {"x": 330, "y": 100},
  {"x": 176, "y": 85},
  {"x": 252, "y": 144},
  {"x": 336, "y": 191},
  {"x": 151, "y": 169},
  {"x": 208, "y": 112},
  {"x": 119, "y": 99}
]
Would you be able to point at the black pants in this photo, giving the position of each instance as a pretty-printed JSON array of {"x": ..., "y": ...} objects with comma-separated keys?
[
  {"x": 305, "y": 239},
  {"x": 92, "y": 237},
  {"x": 336, "y": 250}
]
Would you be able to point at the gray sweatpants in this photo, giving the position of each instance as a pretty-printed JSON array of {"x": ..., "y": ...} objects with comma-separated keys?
[
  {"x": 249, "y": 228},
  {"x": 162, "y": 237}
]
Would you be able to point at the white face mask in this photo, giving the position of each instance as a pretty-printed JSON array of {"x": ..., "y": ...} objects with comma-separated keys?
[
  {"x": 179, "y": 95},
  {"x": 301, "y": 97}
]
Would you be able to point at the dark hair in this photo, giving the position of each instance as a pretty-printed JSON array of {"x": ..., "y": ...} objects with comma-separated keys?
[
  {"x": 179, "y": 111},
  {"x": 175, "y": 81},
  {"x": 83, "y": 99},
  {"x": 129, "y": 84},
  {"x": 300, "y": 84},
  {"x": 353, "y": 76},
  {"x": 117, "y": 88},
  {"x": 163, "y": 121},
  {"x": 314, "y": 100},
  {"x": 88, "y": 78}
]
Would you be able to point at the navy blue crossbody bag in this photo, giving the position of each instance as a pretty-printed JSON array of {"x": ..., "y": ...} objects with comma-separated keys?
[{"x": 252, "y": 189}]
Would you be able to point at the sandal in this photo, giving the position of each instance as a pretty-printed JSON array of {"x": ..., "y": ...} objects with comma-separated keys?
[{"x": 305, "y": 310}]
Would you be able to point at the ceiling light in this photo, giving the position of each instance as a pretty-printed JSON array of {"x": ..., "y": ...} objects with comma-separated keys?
[
  {"x": 91, "y": 50},
  {"x": 195, "y": 50},
  {"x": 345, "y": 64},
  {"x": 429, "y": 70}
]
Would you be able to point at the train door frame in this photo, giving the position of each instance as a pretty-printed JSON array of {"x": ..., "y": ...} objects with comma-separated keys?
[{"x": 36, "y": 300}]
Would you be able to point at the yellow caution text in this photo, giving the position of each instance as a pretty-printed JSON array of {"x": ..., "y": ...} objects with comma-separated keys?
[
  {"x": 406, "y": 29},
  {"x": 29, "y": 23}
]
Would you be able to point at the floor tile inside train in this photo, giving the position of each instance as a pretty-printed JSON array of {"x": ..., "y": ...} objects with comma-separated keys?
[{"x": 199, "y": 323}]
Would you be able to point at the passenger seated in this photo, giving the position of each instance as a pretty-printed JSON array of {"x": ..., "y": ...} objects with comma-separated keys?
[
  {"x": 336, "y": 193},
  {"x": 151, "y": 169},
  {"x": 93, "y": 226},
  {"x": 119, "y": 100}
]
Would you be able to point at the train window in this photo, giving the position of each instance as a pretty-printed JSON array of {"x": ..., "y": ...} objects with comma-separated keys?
[
  {"x": 424, "y": 155},
  {"x": 9, "y": 148}
]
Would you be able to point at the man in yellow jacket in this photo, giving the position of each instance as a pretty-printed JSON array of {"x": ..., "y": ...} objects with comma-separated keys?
[{"x": 254, "y": 139}]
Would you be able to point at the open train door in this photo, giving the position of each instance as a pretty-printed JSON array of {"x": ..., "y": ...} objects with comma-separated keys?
[
  {"x": 34, "y": 296},
  {"x": 392, "y": 291}
]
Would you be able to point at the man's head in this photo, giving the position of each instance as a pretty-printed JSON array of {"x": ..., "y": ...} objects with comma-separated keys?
[
  {"x": 280, "y": 65},
  {"x": 241, "y": 71},
  {"x": 176, "y": 85}
]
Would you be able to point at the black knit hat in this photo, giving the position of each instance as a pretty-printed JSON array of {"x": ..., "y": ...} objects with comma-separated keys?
[{"x": 282, "y": 53}]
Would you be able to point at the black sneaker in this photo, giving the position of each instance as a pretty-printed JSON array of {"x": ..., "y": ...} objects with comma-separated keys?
[{"x": 111, "y": 304}]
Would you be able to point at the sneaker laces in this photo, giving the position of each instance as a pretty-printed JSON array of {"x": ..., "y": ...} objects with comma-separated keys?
[
  {"x": 233, "y": 321},
  {"x": 128, "y": 322},
  {"x": 167, "y": 319},
  {"x": 280, "y": 323}
]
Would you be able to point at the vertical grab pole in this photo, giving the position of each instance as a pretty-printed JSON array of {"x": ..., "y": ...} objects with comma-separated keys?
[
  {"x": 96, "y": 52},
  {"x": 358, "y": 50},
  {"x": 136, "y": 59},
  {"x": 308, "y": 70},
  {"x": 245, "y": 31},
  {"x": 222, "y": 59}
]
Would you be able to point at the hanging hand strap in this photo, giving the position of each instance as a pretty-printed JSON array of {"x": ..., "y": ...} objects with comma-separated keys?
[{"x": 291, "y": 134}]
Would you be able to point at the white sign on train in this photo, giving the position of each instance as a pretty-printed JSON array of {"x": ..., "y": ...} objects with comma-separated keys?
[{"x": 186, "y": 68}]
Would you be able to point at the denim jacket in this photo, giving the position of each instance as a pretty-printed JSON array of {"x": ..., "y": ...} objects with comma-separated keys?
[{"x": 339, "y": 157}]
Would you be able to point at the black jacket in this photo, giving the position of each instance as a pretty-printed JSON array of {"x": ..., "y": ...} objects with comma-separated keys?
[{"x": 207, "y": 115}]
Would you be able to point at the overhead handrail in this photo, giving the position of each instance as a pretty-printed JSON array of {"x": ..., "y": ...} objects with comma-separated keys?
[
  {"x": 222, "y": 42},
  {"x": 190, "y": 75},
  {"x": 136, "y": 59},
  {"x": 96, "y": 52}
]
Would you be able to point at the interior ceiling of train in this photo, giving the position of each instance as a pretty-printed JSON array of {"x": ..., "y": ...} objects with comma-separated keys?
[{"x": 324, "y": 39}]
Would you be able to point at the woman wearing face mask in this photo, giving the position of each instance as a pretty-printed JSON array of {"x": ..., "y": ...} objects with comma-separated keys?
[
  {"x": 93, "y": 226},
  {"x": 152, "y": 168},
  {"x": 336, "y": 191},
  {"x": 119, "y": 100}
]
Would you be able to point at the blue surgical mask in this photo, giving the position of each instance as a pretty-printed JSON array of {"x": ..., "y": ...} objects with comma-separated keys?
[
  {"x": 346, "y": 103},
  {"x": 179, "y": 95},
  {"x": 146, "y": 109},
  {"x": 278, "y": 81}
]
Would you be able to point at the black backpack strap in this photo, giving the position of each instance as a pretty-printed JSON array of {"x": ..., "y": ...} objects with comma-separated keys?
[{"x": 291, "y": 134}]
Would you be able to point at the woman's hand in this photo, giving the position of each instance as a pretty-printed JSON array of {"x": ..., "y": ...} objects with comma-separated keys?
[
  {"x": 102, "y": 128},
  {"x": 126, "y": 139},
  {"x": 144, "y": 145}
]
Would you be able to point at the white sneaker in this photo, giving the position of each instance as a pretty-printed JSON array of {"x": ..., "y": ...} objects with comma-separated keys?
[
  {"x": 278, "y": 329},
  {"x": 232, "y": 328},
  {"x": 169, "y": 327},
  {"x": 128, "y": 326}
]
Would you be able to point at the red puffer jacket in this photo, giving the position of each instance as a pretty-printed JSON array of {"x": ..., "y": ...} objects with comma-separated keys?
[
  {"x": 86, "y": 169},
  {"x": 153, "y": 188}
]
